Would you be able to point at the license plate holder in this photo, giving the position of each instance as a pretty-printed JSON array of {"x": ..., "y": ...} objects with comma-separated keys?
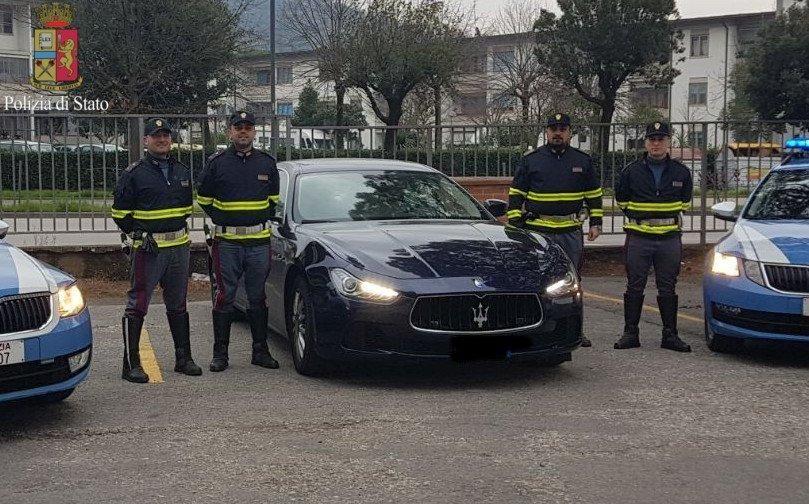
[{"x": 12, "y": 352}]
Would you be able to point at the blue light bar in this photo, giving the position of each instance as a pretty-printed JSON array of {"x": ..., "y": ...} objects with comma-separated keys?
[{"x": 798, "y": 143}]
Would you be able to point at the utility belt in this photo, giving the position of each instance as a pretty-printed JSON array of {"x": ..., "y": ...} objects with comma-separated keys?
[
  {"x": 239, "y": 231},
  {"x": 149, "y": 242},
  {"x": 562, "y": 218},
  {"x": 672, "y": 221}
]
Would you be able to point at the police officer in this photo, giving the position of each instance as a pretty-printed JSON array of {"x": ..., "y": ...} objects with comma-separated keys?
[
  {"x": 554, "y": 190},
  {"x": 238, "y": 189},
  {"x": 653, "y": 192},
  {"x": 153, "y": 199}
]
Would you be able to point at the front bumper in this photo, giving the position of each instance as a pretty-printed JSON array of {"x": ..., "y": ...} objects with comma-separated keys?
[
  {"x": 351, "y": 329},
  {"x": 739, "y": 308},
  {"x": 46, "y": 368}
]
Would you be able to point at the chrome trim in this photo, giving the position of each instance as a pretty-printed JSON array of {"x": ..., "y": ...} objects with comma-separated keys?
[
  {"x": 479, "y": 296},
  {"x": 767, "y": 278},
  {"x": 39, "y": 330}
]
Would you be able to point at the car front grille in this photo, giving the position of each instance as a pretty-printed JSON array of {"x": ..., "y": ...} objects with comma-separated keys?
[
  {"x": 771, "y": 322},
  {"x": 788, "y": 278},
  {"x": 476, "y": 313},
  {"x": 24, "y": 312}
]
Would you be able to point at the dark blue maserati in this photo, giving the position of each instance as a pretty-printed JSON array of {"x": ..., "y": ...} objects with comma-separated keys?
[{"x": 377, "y": 258}]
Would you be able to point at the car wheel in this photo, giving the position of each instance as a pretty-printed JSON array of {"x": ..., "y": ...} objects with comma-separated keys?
[
  {"x": 719, "y": 343},
  {"x": 54, "y": 397},
  {"x": 302, "y": 330}
]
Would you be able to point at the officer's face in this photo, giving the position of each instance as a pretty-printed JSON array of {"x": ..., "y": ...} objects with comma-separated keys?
[
  {"x": 158, "y": 143},
  {"x": 242, "y": 135},
  {"x": 658, "y": 146},
  {"x": 558, "y": 135}
]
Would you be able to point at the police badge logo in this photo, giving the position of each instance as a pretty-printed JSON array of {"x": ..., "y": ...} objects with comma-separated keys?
[
  {"x": 159, "y": 123},
  {"x": 558, "y": 117},
  {"x": 243, "y": 115},
  {"x": 56, "y": 47},
  {"x": 657, "y": 125}
]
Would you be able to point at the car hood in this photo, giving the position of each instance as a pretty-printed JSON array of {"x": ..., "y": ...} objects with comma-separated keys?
[
  {"x": 439, "y": 249},
  {"x": 776, "y": 241},
  {"x": 23, "y": 274}
]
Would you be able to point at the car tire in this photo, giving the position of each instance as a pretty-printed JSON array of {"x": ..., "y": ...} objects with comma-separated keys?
[
  {"x": 302, "y": 330},
  {"x": 718, "y": 343},
  {"x": 54, "y": 397}
]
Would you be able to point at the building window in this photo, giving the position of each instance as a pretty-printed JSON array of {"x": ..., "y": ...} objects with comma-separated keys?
[
  {"x": 698, "y": 93},
  {"x": 284, "y": 75},
  {"x": 695, "y": 138},
  {"x": 503, "y": 60},
  {"x": 6, "y": 19},
  {"x": 263, "y": 78},
  {"x": 472, "y": 105},
  {"x": 13, "y": 70},
  {"x": 285, "y": 109},
  {"x": 651, "y": 97},
  {"x": 699, "y": 44}
]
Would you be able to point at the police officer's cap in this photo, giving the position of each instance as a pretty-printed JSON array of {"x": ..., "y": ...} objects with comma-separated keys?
[
  {"x": 156, "y": 124},
  {"x": 559, "y": 120},
  {"x": 241, "y": 116},
  {"x": 658, "y": 129}
]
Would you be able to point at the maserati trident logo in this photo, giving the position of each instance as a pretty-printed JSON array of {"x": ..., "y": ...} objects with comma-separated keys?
[{"x": 481, "y": 315}]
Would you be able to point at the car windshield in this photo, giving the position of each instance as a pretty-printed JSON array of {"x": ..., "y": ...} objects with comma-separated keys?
[
  {"x": 783, "y": 195},
  {"x": 382, "y": 195}
]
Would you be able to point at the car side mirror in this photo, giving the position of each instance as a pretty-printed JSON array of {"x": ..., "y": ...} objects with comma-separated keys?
[
  {"x": 3, "y": 229},
  {"x": 496, "y": 207},
  {"x": 726, "y": 211}
]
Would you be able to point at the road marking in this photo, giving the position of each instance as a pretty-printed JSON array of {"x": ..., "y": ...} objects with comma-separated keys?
[
  {"x": 602, "y": 297},
  {"x": 148, "y": 359}
]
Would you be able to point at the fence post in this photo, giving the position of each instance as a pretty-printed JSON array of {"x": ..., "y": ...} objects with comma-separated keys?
[
  {"x": 135, "y": 139},
  {"x": 288, "y": 140},
  {"x": 703, "y": 186}
]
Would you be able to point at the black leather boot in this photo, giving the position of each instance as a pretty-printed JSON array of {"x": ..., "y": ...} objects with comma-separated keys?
[
  {"x": 181, "y": 334},
  {"x": 221, "y": 340},
  {"x": 668, "y": 314},
  {"x": 258, "y": 328},
  {"x": 633, "y": 306},
  {"x": 132, "y": 370}
]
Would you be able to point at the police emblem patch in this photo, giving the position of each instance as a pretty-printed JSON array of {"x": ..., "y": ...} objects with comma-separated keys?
[
  {"x": 263, "y": 177},
  {"x": 243, "y": 115},
  {"x": 185, "y": 183},
  {"x": 159, "y": 123},
  {"x": 578, "y": 169},
  {"x": 677, "y": 183},
  {"x": 558, "y": 117},
  {"x": 657, "y": 126}
]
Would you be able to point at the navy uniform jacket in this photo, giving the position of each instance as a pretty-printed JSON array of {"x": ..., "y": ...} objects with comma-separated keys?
[{"x": 551, "y": 184}]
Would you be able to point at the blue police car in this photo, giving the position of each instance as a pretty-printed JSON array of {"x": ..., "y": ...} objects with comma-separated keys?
[
  {"x": 756, "y": 285},
  {"x": 45, "y": 332}
]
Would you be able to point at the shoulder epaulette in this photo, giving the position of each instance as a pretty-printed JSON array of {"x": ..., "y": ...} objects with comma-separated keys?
[
  {"x": 133, "y": 165},
  {"x": 216, "y": 154}
]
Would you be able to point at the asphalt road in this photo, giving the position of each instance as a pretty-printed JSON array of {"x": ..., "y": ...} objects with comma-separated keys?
[{"x": 634, "y": 426}]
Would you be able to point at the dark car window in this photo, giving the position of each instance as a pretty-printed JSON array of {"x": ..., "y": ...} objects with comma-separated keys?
[
  {"x": 782, "y": 195},
  {"x": 283, "y": 179},
  {"x": 382, "y": 195}
]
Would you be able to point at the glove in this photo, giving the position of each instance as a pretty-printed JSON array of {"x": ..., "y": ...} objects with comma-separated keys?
[{"x": 149, "y": 245}]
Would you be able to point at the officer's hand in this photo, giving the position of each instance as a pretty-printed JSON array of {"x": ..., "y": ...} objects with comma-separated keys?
[{"x": 595, "y": 232}]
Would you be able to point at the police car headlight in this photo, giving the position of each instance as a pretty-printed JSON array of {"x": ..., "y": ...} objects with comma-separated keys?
[
  {"x": 352, "y": 287},
  {"x": 71, "y": 302},
  {"x": 569, "y": 284},
  {"x": 724, "y": 264}
]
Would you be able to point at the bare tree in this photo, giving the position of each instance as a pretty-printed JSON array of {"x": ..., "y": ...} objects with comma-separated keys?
[
  {"x": 518, "y": 73},
  {"x": 328, "y": 28}
]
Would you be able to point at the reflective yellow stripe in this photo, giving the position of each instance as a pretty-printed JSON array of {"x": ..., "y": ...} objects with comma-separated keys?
[
  {"x": 595, "y": 193},
  {"x": 204, "y": 200},
  {"x": 167, "y": 243},
  {"x": 686, "y": 206},
  {"x": 264, "y": 233},
  {"x": 643, "y": 228},
  {"x": 275, "y": 198},
  {"x": 163, "y": 213},
  {"x": 655, "y": 207},
  {"x": 119, "y": 214},
  {"x": 234, "y": 206},
  {"x": 512, "y": 191},
  {"x": 622, "y": 204},
  {"x": 552, "y": 224},
  {"x": 514, "y": 214},
  {"x": 597, "y": 212},
  {"x": 555, "y": 196}
]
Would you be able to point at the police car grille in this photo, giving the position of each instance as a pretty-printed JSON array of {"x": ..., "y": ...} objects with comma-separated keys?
[
  {"x": 788, "y": 278},
  {"x": 472, "y": 313},
  {"x": 24, "y": 312}
]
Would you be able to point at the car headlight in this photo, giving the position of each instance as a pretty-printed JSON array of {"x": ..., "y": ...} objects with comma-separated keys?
[
  {"x": 71, "y": 302},
  {"x": 569, "y": 284},
  {"x": 352, "y": 287},
  {"x": 752, "y": 269},
  {"x": 724, "y": 264}
]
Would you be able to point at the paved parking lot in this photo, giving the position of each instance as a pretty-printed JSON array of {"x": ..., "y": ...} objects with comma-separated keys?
[{"x": 644, "y": 425}]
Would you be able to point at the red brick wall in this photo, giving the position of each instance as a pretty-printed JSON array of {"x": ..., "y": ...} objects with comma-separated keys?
[{"x": 483, "y": 188}]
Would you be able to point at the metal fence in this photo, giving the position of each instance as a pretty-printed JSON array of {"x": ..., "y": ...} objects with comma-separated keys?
[{"x": 58, "y": 173}]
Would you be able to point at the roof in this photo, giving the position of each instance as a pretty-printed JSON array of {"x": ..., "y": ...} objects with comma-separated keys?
[{"x": 351, "y": 164}]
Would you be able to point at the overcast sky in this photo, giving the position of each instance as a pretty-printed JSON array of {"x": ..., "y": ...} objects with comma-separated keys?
[{"x": 688, "y": 8}]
